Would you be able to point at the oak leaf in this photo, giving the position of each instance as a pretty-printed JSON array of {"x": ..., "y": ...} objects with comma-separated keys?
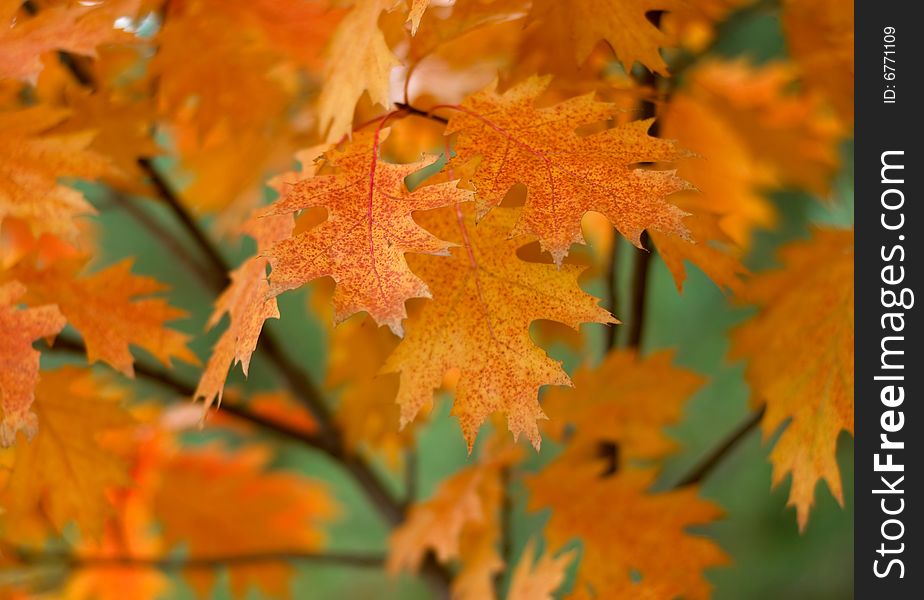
[
  {"x": 612, "y": 424},
  {"x": 609, "y": 406},
  {"x": 820, "y": 39},
  {"x": 577, "y": 27},
  {"x": 484, "y": 299},
  {"x": 33, "y": 158},
  {"x": 112, "y": 309},
  {"x": 460, "y": 521},
  {"x": 19, "y": 361},
  {"x": 507, "y": 140},
  {"x": 369, "y": 228},
  {"x": 358, "y": 60},
  {"x": 366, "y": 409},
  {"x": 625, "y": 528},
  {"x": 75, "y": 28},
  {"x": 540, "y": 580},
  {"x": 64, "y": 472},
  {"x": 799, "y": 349},
  {"x": 210, "y": 500},
  {"x": 248, "y": 305}
]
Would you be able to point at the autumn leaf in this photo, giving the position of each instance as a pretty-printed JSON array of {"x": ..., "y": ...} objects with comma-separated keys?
[
  {"x": 799, "y": 349},
  {"x": 415, "y": 12},
  {"x": 647, "y": 533},
  {"x": 820, "y": 38},
  {"x": 577, "y": 27},
  {"x": 267, "y": 42},
  {"x": 128, "y": 535},
  {"x": 509, "y": 141},
  {"x": 612, "y": 423},
  {"x": 712, "y": 251},
  {"x": 248, "y": 305},
  {"x": 537, "y": 576},
  {"x": 19, "y": 374},
  {"x": 112, "y": 309},
  {"x": 363, "y": 242},
  {"x": 484, "y": 299},
  {"x": 460, "y": 521},
  {"x": 606, "y": 407},
  {"x": 210, "y": 500},
  {"x": 32, "y": 159},
  {"x": 366, "y": 409},
  {"x": 358, "y": 60},
  {"x": 76, "y": 28},
  {"x": 63, "y": 474}
]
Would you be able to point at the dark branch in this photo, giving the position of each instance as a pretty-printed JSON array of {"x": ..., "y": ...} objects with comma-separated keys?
[
  {"x": 712, "y": 459},
  {"x": 220, "y": 267},
  {"x": 639, "y": 295},
  {"x": 611, "y": 333},
  {"x": 171, "y": 563},
  {"x": 413, "y": 110}
]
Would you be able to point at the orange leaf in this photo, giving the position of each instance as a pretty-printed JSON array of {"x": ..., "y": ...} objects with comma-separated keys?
[
  {"x": 19, "y": 362},
  {"x": 112, "y": 309},
  {"x": 625, "y": 528},
  {"x": 358, "y": 60},
  {"x": 484, "y": 299},
  {"x": 32, "y": 160},
  {"x": 460, "y": 521},
  {"x": 366, "y": 409},
  {"x": 799, "y": 349},
  {"x": 76, "y": 28},
  {"x": 248, "y": 306},
  {"x": 608, "y": 406},
  {"x": 509, "y": 141},
  {"x": 819, "y": 35},
  {"x": 64, "y": 472},
  {"x": 612, "y": 423},
  {"x": 540, "y": 580},
  {"x": 210, "y": 501},
  {"x": 366, "y": 235},
  {"x": 576, "y": 27}
]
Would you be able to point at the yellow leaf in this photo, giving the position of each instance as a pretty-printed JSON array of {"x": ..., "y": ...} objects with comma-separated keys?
[
  {"x": 484, "y": 299},
  {"x": 64, "y": 472},
  {"x": 540, "y": 580},
  {"x": 799, "y": 349},
  {"x": 31, "y": 161},
  {"x": 358, "y": 60},
  {"x": 576, "y": 27}
]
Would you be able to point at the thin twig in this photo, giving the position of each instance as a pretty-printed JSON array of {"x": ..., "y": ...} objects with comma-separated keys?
[
  {"x": 611, "y": 333},
  {"x": 164, "y": 237},
  {"x": 165, "y": 192},
  {"x": 413, "y": 110},
  {"x": 171, "y": 563},
  {"x": 506, "y": 529},
  {"x": 410, "y": 476},
  {"x": 718, "y": 453},
  {"x": 639, "y": 295}
]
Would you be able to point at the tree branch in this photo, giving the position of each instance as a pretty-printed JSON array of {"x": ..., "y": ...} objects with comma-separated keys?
[
  {"x": 171, "y": 563},
  {"x": 611, "y": 333},
  {"x": 220, "y": 267},
  {"x": 639, "y": 295},
  {"x": 711, "y": 460},
  {"x": 413, "y": 110}
]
